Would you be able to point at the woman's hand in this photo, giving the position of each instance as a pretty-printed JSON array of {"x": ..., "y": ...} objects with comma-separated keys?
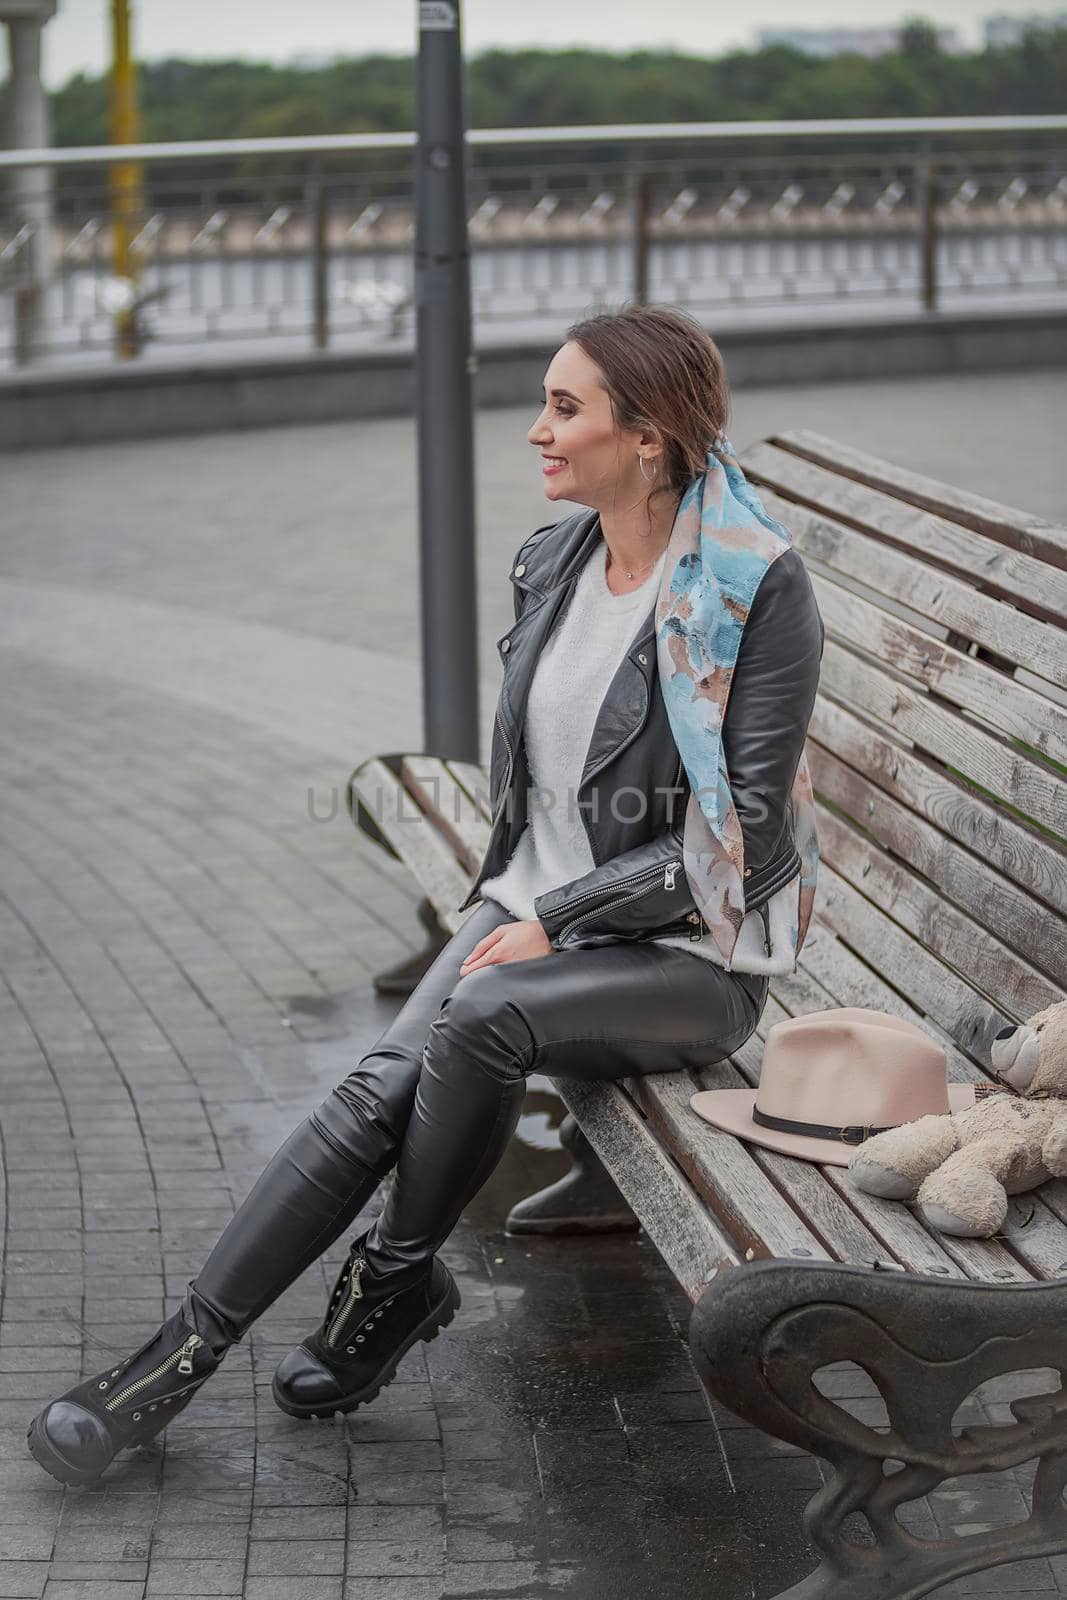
[{"x": 512, "y": 941}]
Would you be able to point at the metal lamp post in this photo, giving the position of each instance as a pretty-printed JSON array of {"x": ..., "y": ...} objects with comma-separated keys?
[{"x": 444, "y": 365}]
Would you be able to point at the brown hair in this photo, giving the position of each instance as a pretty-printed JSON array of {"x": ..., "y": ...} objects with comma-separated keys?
[{"x": 662, "y": 370}]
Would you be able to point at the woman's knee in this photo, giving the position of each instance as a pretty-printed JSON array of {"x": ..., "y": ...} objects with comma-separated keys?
[
  {"x": 369, "y": 1110},
  {"x": 482, "y": 1024}
]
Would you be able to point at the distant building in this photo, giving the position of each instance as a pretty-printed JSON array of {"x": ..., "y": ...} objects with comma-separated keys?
[
  {"x": 1001, "y": 29},
  {"x": 859, "y": 41}
]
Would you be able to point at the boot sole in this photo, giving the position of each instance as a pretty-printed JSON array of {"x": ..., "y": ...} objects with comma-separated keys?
[{"x": 438, "y": 1317}]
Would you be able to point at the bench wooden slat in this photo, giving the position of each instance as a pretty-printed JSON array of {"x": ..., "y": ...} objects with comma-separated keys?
[
  {"x": 980, "y": 1260},
  {"x": 961, "y": 876},
  {"x": 475, "y": 780},
  {"x": 1021, "y": 529},
  {"x": 845, "y": 1234},
  {"x": 939, "y": 927},
  {"x": 679, "y": 1225},
  {"x": 1029, "y": 583},
  {"x": 940, "y": 670},
  {"x": 937, "y": 989},
  {"x": 917, "y": 808},
  {"x": 1004, "y": 771},
  {"x": 753, "y": 1212},
  {"x": 419, "y": 845},
  {"x": 924, "y": 593},
  {"x": 449, "y": 808},
  {"x": 1034, "y": 1228},
  {"x": 836, "y": 1226}
]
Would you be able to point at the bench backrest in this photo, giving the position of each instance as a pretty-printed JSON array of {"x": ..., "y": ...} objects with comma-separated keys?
[
  {"x": 938, "y": 745},
  {"x": 938, "y": 752}
]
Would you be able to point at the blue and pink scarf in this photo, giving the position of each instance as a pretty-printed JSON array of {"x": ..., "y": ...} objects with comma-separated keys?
[{"x": 721, "y": 544}]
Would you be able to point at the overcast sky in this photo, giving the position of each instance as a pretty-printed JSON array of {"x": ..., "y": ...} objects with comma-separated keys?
[{"x": 278, "y": 30}]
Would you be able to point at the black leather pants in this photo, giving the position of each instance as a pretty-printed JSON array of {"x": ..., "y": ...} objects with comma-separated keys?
[{"x": 440, "y": 1094}]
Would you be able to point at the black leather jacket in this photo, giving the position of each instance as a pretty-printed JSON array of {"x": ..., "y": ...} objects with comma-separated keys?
[{"x": 633, "y": 791}]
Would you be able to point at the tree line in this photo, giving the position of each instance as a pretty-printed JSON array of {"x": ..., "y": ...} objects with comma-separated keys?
[{"x": 183, "y": 99}]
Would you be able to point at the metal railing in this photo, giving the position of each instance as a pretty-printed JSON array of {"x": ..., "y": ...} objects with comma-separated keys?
[{"x": 311, "y": 239}]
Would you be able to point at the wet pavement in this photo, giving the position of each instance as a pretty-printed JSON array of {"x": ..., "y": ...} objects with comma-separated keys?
[
  {"x": 186, "y": 971},
  {"x": 194, "y": 658}
]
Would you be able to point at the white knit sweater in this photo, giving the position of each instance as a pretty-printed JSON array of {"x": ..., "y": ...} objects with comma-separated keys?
[{"x": 574, "y": 669}]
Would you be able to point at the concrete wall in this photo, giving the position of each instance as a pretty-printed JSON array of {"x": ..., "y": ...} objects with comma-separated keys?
[{"x": 193, "y": 396}]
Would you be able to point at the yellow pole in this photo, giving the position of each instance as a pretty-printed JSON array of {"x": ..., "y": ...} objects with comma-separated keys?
[{"x": 126, "y": 177}]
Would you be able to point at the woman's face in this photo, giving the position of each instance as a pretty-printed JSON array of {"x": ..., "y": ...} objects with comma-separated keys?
[{"x": 595, "y": 463}]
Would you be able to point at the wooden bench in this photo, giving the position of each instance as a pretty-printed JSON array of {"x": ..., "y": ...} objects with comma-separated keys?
[{"x": 938, "y": 752}]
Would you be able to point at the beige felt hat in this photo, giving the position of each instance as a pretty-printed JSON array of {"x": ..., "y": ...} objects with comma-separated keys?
[{"x": 829, "y": 1079}]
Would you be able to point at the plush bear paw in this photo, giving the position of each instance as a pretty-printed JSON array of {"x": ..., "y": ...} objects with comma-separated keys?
[
  {"x": 1054, "y": 1151},
  {"x": 873, "y": 1178},
  {"x": 967, "y": 1202},
  {"x": 893, "y": 1164}
]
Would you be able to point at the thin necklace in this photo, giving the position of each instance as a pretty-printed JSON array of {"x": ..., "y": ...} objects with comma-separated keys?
[{"x": 645, "y": 568}]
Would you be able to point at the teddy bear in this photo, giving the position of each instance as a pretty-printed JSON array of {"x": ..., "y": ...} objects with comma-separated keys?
[{"x": 961, "y": 1167}]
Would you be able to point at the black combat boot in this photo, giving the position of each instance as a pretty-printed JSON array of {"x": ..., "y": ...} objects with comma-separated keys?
[
  {"x": 77, "y": 1436},
  {"x": 369, "y": 1325}
]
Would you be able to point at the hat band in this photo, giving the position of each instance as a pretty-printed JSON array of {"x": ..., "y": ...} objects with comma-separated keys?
[{"x": 851, "y": 1134}]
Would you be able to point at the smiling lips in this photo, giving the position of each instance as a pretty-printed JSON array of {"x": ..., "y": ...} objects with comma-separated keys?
[{"x": 552, "y": 464}]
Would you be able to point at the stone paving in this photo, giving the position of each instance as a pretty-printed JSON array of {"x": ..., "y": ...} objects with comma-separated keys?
[{"x": 194, "y": 657}]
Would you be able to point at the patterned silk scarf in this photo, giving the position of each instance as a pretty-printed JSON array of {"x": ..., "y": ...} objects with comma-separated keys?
[{"x": 721, "y": 545}]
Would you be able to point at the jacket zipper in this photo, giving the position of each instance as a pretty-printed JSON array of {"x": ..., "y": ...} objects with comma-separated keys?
[
  {"x": 355, "y": 1292},
  {"x": 668, "y": 871},
  {"x": 182, "y": 1359},
  {"x": 507, "y": 774}
]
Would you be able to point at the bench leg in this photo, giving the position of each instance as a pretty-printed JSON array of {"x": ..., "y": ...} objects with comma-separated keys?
[
  {"x": 404, "y": 977},
  {"x": 760, "y": 1332},
  {"x": 584, "y": 1200}
]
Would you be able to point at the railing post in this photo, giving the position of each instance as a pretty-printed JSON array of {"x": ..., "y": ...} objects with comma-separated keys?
[
  {"x": 639, "y": 207},
  {"x": 28, "y": 296},
  {"x": 926, "y": 207},
  {"x": 317, "y": 206},
  {"x": 27, "y": 321}
]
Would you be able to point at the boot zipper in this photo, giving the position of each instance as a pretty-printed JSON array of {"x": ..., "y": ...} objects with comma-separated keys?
[
  {"x": 355, "y": 1292},
  {"x": 182, "y": 1358}
]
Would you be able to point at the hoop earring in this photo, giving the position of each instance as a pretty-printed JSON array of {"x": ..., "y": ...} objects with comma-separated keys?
[{"x": 644, "y": 474}]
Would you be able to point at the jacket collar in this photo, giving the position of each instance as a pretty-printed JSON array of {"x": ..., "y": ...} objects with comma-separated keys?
[
  {"x": 551, "y": 568},
  {"x": 558, "y": 556}
]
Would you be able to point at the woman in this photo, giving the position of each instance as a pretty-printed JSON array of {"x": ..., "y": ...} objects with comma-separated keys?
[{"x": 588, "y": 955}]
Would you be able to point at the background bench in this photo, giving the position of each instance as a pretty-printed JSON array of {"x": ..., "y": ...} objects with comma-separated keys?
[{"x": 938, "y": 752}]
